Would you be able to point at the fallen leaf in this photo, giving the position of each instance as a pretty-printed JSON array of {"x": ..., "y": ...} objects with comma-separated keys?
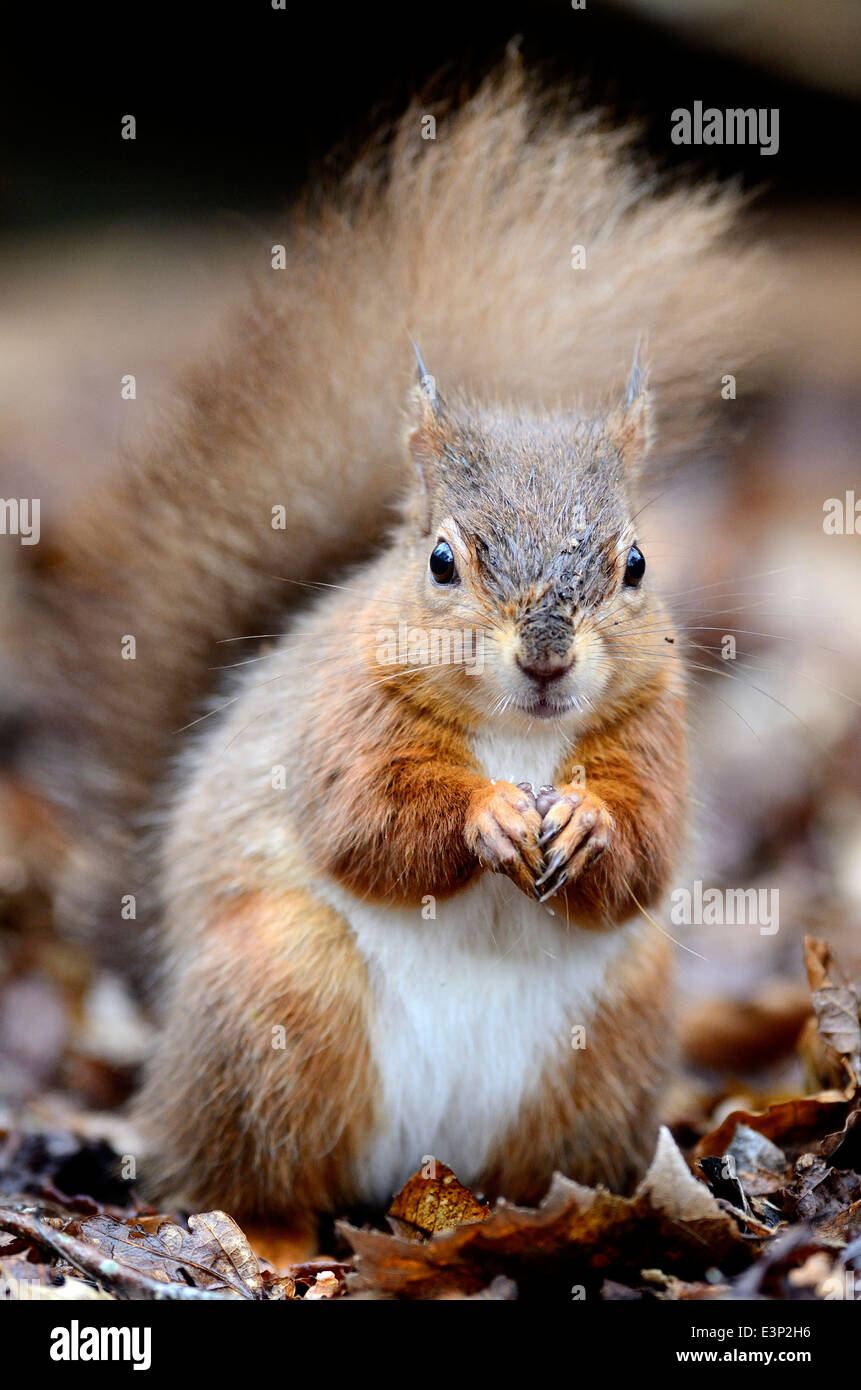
[
  {"x": 836, "y": 1006},
  {"x": 671, "y": 1216},
  {"x": 212, "y": 1253},
  {"x": 426, "y": 1205},
  {"x": 793, "y": 1122},
  {"x": 211, "y": 1259},
  {"x": 754, "y": 1153},
  {"x": 823, "y": 1192}
]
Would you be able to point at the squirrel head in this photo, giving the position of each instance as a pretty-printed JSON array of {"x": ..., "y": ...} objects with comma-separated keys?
[{"x": 523, "y": 528}]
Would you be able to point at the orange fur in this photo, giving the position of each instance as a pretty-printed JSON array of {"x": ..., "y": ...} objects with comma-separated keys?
[
  {"x": 635, "y": 787},
  {"x": 288, "y": 1120}
]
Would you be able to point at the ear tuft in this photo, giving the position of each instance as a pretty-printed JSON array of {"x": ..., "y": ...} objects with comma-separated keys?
[
  {"x": 638, "y": 380},
  {"x": 426, "y": 412},
  {"x": 635, "y": 430},
  {"x": 426, "y": 383}
]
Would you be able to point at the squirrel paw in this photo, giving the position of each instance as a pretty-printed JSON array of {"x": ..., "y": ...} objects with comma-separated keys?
[
  {"x": 502, "y": 828},
  {"x": 575, "y": 831}
]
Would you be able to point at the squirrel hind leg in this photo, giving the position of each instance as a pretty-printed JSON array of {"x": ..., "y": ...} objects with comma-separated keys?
[{"x": 261, "y": 1091}]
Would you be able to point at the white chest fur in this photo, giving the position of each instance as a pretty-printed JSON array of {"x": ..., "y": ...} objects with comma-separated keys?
[
  {"x": 534, "y": 757},
  {"x": 470, "y": 1005}
]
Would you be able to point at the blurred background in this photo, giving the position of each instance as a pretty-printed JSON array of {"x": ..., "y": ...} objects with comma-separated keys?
[{"x": 121, "y": 257}]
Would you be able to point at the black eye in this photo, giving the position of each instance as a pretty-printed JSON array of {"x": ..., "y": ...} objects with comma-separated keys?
[
  {"x": 442, "y": 565},
  {"x": 635, "y": 567}
]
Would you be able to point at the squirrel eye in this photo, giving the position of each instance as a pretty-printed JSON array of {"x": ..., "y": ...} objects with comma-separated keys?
[
  {"x": 442, "y": 565},
  {"x": 635, "y": 567}
]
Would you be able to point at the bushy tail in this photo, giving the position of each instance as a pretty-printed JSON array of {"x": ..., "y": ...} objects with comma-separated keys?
[{"x": 464, "y": 241}]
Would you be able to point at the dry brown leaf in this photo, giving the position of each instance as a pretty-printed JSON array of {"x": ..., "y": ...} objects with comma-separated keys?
[
  {"x": 836, "y": 1006},
  {"x": 426, "y": 1205},
  {"x": 671, "y": 1217},
  {"x": 788, "y": 1122},
  {"x": 211, "y": 1254},
  {"x": 761, "y": 1166},
  {"x": 823, "y": 1069},
  {"x": 212, "y": 1259},
  {"x": 842, "y": 1228},
  {"x": 824, "y": 1193}
]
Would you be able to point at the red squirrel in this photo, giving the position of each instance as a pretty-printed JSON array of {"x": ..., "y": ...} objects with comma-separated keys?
[
  {"x": 348, "y": 1031},
  {"x": 404, "y": 906}
]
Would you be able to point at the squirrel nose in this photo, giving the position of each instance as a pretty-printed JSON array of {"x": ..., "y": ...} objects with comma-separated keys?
[{"x": 547, "y": 668}]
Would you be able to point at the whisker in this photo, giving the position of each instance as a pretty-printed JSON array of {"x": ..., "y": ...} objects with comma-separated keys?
[
  {"x": 208, "y": 715},
  {"x": 659, "y": 928},
  {"x": 742, "y": 579},
  {"x": 319, "y": 584},
  {"x": 783, "y": 670},
  {"x": 700, "y": 684}
]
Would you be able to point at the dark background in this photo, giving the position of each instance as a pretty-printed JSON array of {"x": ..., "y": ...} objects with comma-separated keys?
[{"x": 235, "y": 103}]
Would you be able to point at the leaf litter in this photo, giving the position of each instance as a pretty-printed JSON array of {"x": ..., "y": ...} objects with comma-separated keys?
[{"x": 764, "y": 1204}]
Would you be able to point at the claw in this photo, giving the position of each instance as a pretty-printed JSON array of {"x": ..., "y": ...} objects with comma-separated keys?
[
  {"x": 561, "y": 813},
  {"x": 555, "y": 863},
  {"x": 554, "y": 888}
]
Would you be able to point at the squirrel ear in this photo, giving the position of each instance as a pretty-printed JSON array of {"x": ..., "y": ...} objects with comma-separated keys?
[
  {"x": 426, "y": 383},
  {"x": 423, "y": 435},
  {"x": 635, "y": 432}
]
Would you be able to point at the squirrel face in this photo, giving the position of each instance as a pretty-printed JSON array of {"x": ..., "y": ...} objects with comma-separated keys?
[{"x": 525, "y": 546}]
